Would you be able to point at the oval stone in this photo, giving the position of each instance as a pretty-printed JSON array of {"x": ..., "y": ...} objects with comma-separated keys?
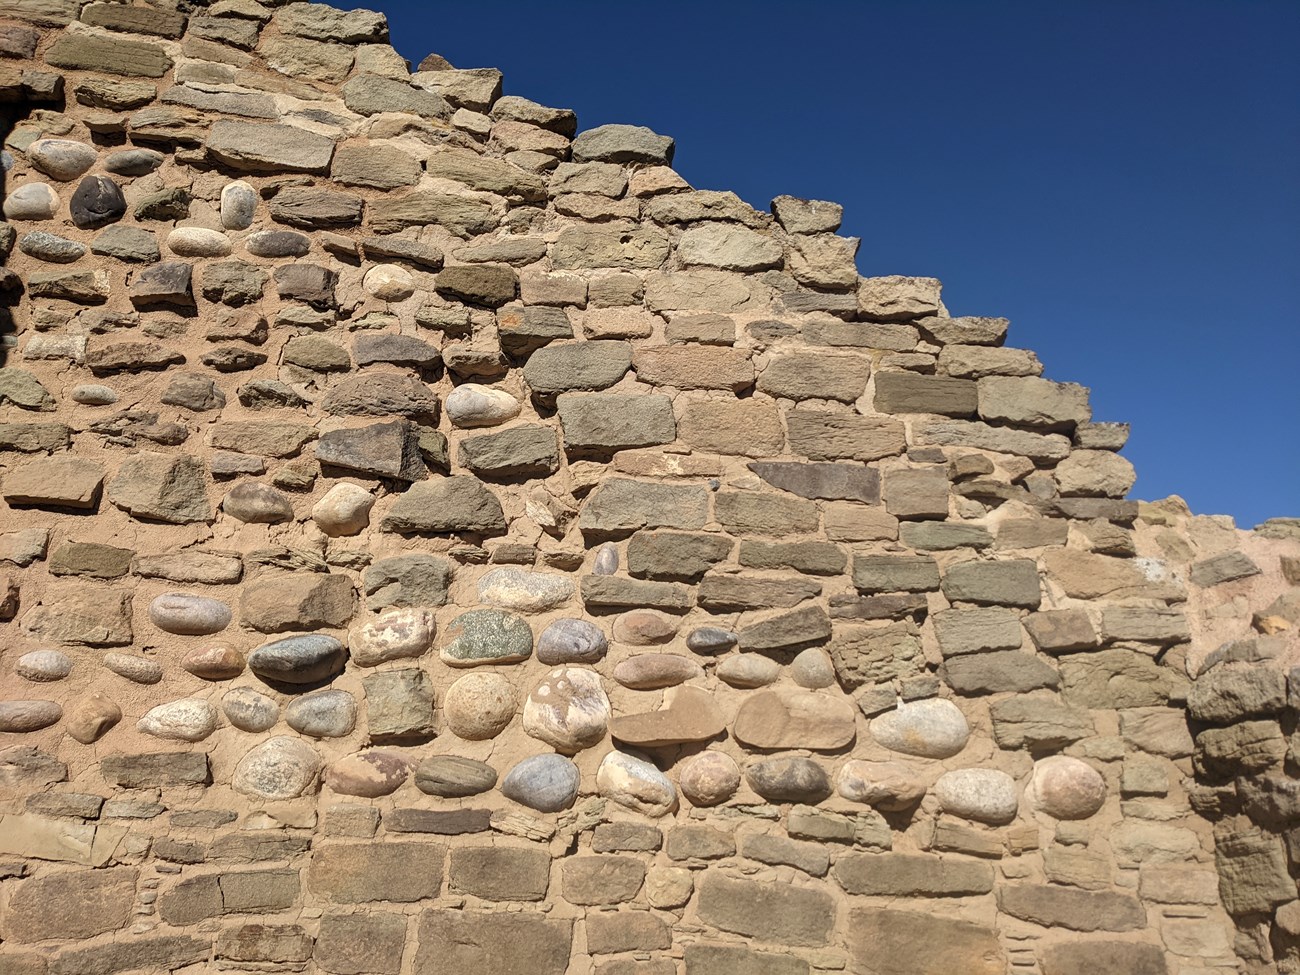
[
  {"x": 257, "y": 504},
  {"x": 891, "y": 786},
  {"x": 568, "y": 709},
  {"x": 606, "y": 560},
  {"x": 651, "y": 671},
  {"x": 133, "y": 162},
  {"x": 474, "y": 405},
  {"x": 189, "y": 719},
  {"x": 198, "y": 242},
  {"x": 214, "y": 663},
  {"x": 51, "y": 247},
  {"x": 20, "y": 716},
  {"x": 298, "y": 659},
  {"x": 388, "y": 282},
  {"x": 344, "y": 510},
  {"x": 179, "y": 612},
  {"x": 323, "y": 714},
  {"x": 571, "y": 641},
  {"x": 789, "y": 780},
  {"x": 43, "y": 666},
  {"x": 486, "y": 636},
  {"x": 479, "y": 706},
  {"x": 980, "y": 794},
  {"x": 453, "y": 777},
  {"x": 392, "y": 635},
  {"x": 932, "y": 728},
  {"x": 813, "y": 668},
  {"x": 749, "y": 670},
  {"x": 547, "y": 783},
  {"x": 238, "y": 205},
  {"x": 524, "y": 590},
  {"x": 368, "y": 774},
  {"x": 635, "y": 783},
  {"x": 94, "y": 394},
  {"x": 277, "y": 243},
  {"x": 31, "y": 201},
  {"x": 92, "y": 717},
  {"x": 279, "y": 768},
  {"x": 645, "y": 627},
  {"x": 249, "y": 710},
  {"x": 62, "y": 159},
  {"x": 709, "y": 778},
  {"x": 97, "y": 201},
  {"x": 1067, "y": 788},
  {"x": 710, "y": 640},
  {"x": 141, "y": 670}
]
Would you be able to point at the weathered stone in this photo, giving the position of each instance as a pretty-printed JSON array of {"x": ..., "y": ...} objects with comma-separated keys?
[
  {"x": 1232, "y": 693},
  {"x": 97, "y": 201},
  {"x": 94, "y": 617},
  {"x": 1077, "y": 910},
  {"x": 450, "y": 504},
  {"x": 465, "y": 941},
  {"x": 962, "y": 631},
  {"x": 547, "y": 783},
  {"x": 772, "y": 912},
  {"x": 747, "y": 427},
  {"x": 402, "y": 871},
  {"x": 635, "y": 783},
  {"x": 1060, "y": 630},
  {"x": 1013, "y": 582},
  {"x": 486, "y": 636},
  {"x": 162, "y": 487},
  {"x": 399, "y": 706},
  {"x": 886, "y": 941},
  {"x": 17, "y": 717},
  {"x": 353, "y": 944},
  {"x": 31, "y": 201},
  {"x": 108, "y": 55},
  {"x": 795, "y": 719},
  {"x": 983, "y": 795},
  {"x": 1252, "y": 872},
  {"x": 43, "y": 665},
  {"x": 297, "y": 602},
  {"x": 190, "y": 719},
  {"x": 407, "y": 580},
  {"x": 450, "y": 776},
  {"x": 140, "y": 670},
  {"x": 567, "y": 709},
  {"x": 64, "y": 482},
  {"x": 872, "y": 654},
  {"x": 1030, "y": 401},
  {"x": 322, "y": 714},
  {"x": 1067, "y": 788},
  {"x": 623, "y": 144},
  {"x": 394, "y": 635},
  {"x": 708, "y": 959},
  {"x": 1082, "y": 957},
  {"x": 933, "y": 728},
  {"x": 619, "y": 507},
  {"x": 891, "y": 786},
  {"x": 910, "y": 875},
  {"x": 267, "y": 147},
  {"x": 479, "y": 706},
  {"x": 84, "y": 287},
  {"x": 462, "y": 215},
  {"x": 1001, "y": 670},
  {"x": 177, "y": 612},
  {"x": 820, "y": 435},
  {"x": 278, "y": 769},
  {"x": 789, "y": 780},
  {"x": 51, "y": 248},
  {"x": 1095, "y": 473},
  {"x": 674, "y": 555},
  {"x": 298, "y": 659},
  {"x": 73, "y": 904},
  {"x": 1038, "y": 722},
  {"x": 721, "y": 592},
  {"x": 850, "y": 482},
  {"x": 895, "y": 573},
  {"x": 709, "y": 778},
  {"x": 568, "y": 641}
]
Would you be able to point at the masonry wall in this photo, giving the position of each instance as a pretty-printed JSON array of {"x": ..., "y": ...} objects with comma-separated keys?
[{"x": 434, "y": 539}]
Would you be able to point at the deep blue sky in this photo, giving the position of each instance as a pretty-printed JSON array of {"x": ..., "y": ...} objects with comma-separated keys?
[{"x": 1121, "y": 180}]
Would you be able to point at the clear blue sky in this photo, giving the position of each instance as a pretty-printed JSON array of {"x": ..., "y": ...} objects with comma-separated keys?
[{"x": 1121, "y": 180}]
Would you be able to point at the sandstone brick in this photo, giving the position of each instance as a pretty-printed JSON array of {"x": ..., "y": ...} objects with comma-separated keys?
[
  {"x": 611, "y": 932},
  {"x": 911, "y": 392},
  {"x": 75, "y": 904},
  {"x": 500, "y": 873},
  {"x": 764, "y": 514},
  {"x": 508, "y": 944},
  {"x": 749, "y": 427},
  {"x": 912, "y": 875},
  {"x": 885, "y": 941},
  {"x": 780, "y": 913},
  {"x": 596, "y": 880},
  {"x": 694, "y": 367},
  {"x": 360, "y": 873},
  {"x": 361, "y": 944},
  {"x": 706, "y": 959},
  {"x": 820, "y": 435}
]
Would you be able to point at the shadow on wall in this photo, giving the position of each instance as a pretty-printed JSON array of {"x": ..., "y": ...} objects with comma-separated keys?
[{"x": 11, "y": 286}]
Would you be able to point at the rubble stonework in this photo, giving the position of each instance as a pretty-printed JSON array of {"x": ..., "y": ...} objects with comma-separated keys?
[{"x": 438, "y": 538}]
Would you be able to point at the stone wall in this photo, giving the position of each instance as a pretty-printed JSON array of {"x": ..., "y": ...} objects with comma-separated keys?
[{"x": 437, "y": 540}]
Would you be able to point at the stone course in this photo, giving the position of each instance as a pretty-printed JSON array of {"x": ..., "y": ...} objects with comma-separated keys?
[{"x": 435, "y": 537}]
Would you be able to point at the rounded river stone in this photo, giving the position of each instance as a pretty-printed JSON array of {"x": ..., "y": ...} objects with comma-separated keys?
[
  {"x": 238, "y": 205},
  {"x": 19, "y": 716},
  {"x": 61, "y": 159},
  {"x": 43, "y": 665},
  {"x": 1068, "y": 788},
  {"x": 249, "y": 710},
  {"x": 388, "y": 282},
  {"x": 789, "y": 780},
  {"x": 524, "y": 590},
  {"x": 749, "y": 670},
  {"x": 710, "y": 640},
  {"x": 393, "y": 635},
  {"x": 32, "y": 201},
  {"x": 635, "y": 783},
  {"x": 133, "y": 162},
  {"x": 279, "y": 768},
  {"x": 479, "y": 706},
  {"x": 189, "y": 719},
  {"x": 475, "y": 405},
  {"x": 984, "y": 795},
  {"x": 257, "y": 504},
  {"x": 709, "y": 778},
  {"x": 571, "y": 641},
  {"x": 179, "y": 612},
  {"x": 368, "y": 774},
  {"x": 932, "y": 728},
  {"x": 452, "y": 777},
  {"x": 51, "y": 247},
  {"x": 813, "y": 668},
  {"x": 141, "y": 670},
  {"x": 323, "y": 714},
  {"x": 645, "y": 627},
  {"x": 298, "y": 659},
  {"x": 277, "y": 243},
  {"x": 214, "y": 663},
  {"x": 97, "y": 201},
  {"x": 198, "y": 242},
  {"x": 487, "y": 636},
  {"x": 94, "y": 394},
  {"x": 891, "y": 786},
  {"x": 344, "y": 510},
  {"x": 652, "y": 671},
  {"x": 92, "y": 717},
  {"x": 606, "y": 561},
  {"x": 547, "y": 783},
  {"x": 568, "y": 709}
]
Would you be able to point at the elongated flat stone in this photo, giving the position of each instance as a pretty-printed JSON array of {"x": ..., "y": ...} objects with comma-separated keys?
[{"x": 298, "y": 659}]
